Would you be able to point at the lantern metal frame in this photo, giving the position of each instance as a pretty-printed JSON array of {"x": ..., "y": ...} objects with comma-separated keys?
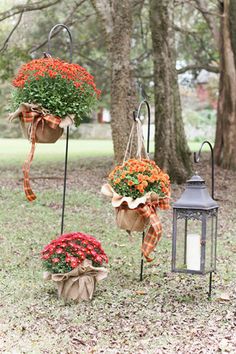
[{"x": 202, "y": 214}]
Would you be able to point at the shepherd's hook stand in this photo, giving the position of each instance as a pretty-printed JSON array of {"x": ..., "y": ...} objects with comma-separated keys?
[
  {"x": 137, "y": 116},
  {"x": 67, "y": 129},
  {"x": 197, "y": 159}
]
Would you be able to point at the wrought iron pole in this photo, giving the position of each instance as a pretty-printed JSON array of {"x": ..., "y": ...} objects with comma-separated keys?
[
  {"x": 197, "y": 159},
  {"x": 137, "y": 116},
  {"x": 67, "y": 129}
]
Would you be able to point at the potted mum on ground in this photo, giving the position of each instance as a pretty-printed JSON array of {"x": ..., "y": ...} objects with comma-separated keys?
[
  {"x": 73, "y": 261},
  {"x": 50, "y": 94}
]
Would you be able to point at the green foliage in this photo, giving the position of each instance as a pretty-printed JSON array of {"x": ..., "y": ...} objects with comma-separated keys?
[
  {"x": 194, "y": 41},
  {"x": 9, "y": 60},
  {"x": 58, "y": 95},
  {"x": 62, "y": 88},
  {"x": 206, "y": 117}
]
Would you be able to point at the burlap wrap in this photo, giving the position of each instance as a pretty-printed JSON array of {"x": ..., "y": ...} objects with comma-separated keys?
[
  {"x": 45, "y": 132},
  {"x": 39, "y": 126},
  {"x": 136, "y": 214},
  {"x": 130, "y": 219},
  {"x": 127, "y": 216},
  {"x": 80, "y": 283}
]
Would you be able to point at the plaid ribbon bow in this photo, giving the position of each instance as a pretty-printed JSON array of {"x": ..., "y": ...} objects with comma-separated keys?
[
  {"x": 34, "y": 117},
  {"x": 154, "y": 232}
]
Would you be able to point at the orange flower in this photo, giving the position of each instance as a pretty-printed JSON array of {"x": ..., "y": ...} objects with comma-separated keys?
[
  {"x": 145, "y": 184},
  {"x": 152, "y": 179},
  {"x": 141, "y": 169},
  {"x": 147, "y": 174},
  {"x": 165, "y": 190},
  {"x": 140, "y": 178}
]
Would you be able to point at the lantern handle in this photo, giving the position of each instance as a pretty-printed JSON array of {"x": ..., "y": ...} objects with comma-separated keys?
[
  {"x": 136, "y": 115},
  {"x": 70, "y": 38},
  {"x": 197, "y": 159}
]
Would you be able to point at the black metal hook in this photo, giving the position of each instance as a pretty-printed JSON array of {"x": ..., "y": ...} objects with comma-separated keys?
[
  {"x": 197, "y": 159},
  {"x": 67, "y": 129},
  {"x": 70, "y": 37}
]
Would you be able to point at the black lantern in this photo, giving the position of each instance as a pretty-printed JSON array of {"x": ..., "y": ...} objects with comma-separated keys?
[{"x": 195, "y": 229}]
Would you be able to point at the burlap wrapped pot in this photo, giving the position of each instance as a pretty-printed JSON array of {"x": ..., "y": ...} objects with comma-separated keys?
[
  {"x": 80, "y": 283},
  {"x": 130, "y": 219},
  {"x": 44, "y": 134}
]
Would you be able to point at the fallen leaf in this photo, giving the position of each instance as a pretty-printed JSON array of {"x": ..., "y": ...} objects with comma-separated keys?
[
  {"x": 223, "y": 344},
  {"x": 140, "y": 292},
  {"x": 224, "y": 297}
]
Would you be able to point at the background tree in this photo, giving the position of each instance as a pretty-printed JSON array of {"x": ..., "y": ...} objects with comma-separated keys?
[
  {"x": 171, "y": 149},
  {"x": 116, "y": 19},
  {"x": 221, "y": 22},
  {"x": 225, "y": 142},
  {"x": 125, "y": 53}
]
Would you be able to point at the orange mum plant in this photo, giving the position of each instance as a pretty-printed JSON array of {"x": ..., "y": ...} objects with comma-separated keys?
[
  {"x": 138, "y": 188},
  {"x": 135, "y": 178}
]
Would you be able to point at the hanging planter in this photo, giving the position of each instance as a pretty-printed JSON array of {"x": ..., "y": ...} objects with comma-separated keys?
[
  {"x": 73, "y": 262},
  {"x": 138, "y": 188},
  {"x": 50, "y": 94}
]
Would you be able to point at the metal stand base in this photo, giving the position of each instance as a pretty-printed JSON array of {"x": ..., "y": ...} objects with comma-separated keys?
[
  {"x": 210, "y": 286},
  {"x": 64, "y": 186},
  {"x": 141, "y": 265}
]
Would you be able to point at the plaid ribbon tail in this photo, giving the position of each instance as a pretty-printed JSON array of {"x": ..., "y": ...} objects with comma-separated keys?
[
  {"x": 154, "y": 232},
  {"x": 27, "y": 189},
  {"x": 26, "y": 167},
  {"x": 34, "y": 118}
]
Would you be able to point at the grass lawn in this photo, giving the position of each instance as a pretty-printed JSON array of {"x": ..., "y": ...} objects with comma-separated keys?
[
  {"x": 15, "y": 150},
  {"x": 166, "y": 313}
]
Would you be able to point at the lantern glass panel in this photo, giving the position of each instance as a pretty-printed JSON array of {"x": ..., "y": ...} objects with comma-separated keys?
[
  {"x": 210, "y": 254},
  {"x": 188, "y": 245}
]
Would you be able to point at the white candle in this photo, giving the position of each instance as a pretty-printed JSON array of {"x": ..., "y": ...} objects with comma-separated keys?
[{"x": 193, "y": 251}]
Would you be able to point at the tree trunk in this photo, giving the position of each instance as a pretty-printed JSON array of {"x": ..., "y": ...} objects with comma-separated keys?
[
  {"x": 116, "y": 17},
  {"x": 122, "y": 92},
  {"x": 225, "y": 141},
  {"x": 171, "y": 149}
]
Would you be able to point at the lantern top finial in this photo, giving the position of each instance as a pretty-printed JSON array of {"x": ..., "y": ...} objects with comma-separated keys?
[
  {"x": 195, "y": 196},
  {"x": 195, "y": 179}
]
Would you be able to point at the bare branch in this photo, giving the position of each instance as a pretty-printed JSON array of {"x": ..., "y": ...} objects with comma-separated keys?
[
  {"x": 93, "y": 61},
  {"x": 5, "y": 44},
  {"x": 39, "y": 5},
  {"x": 105, "y": 11},
  {"x": 210, "y": 19},
  {"x": 69, "y": 21},
  {"x": 210, "y": 68},
  {"x": 184, "y": 30}
]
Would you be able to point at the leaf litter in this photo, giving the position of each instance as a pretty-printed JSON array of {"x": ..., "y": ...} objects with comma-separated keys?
[{"x": 165, "y": 313}]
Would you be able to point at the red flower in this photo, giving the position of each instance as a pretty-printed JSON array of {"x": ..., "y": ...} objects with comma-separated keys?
[
  {"x": 52, "y": 68},
  {"x": 73, "y": 248}
]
